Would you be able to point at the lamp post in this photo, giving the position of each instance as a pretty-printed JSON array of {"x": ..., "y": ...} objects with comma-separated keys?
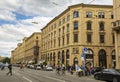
[{"x": 36, "y": 52}]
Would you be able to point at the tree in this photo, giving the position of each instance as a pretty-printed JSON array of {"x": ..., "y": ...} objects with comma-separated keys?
[{"x": 6, "y": 60}]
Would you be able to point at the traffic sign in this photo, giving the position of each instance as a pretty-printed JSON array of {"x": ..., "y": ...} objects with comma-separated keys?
[
  {"x": 83, "y": 57},
  {"x": 85, "y": 50}
]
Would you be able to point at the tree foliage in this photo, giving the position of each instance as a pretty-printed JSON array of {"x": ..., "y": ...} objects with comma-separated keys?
[{"x": 6, "y": 60}]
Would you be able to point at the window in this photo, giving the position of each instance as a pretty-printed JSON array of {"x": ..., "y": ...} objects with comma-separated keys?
[
  {"x": 89, "y": 14},
  {"x": 63, "y": 40},
  {"x": 68, "y": 17},
  {"x": 113, "y": 39},
  {"x": 59, "y": 31},
  {"x": 51, "y": 44},
  {"x": 36, "y": 42},
  {"x": 75, "y": 25},
  {"x": 36, "y": 37},
  {"x": 54, "y": 34},
  {"x": 101, "y": 15},
  {"x": 60, "y": 23},
  {"x": 101, "y": 38},
  {"x": 59, "y": 42},
  {"x": 76, "y": 14},
  {"x": 54, "y": 42},
  {"x": 67, "y": 38},
  {"x": 68, "y": 27},
  {"x": 54, "y": 25},
  {"x": 112, "y": 16},
  {"x": 89, "y": 25},
  {"x": 63, "y": 30},
  {"x": 63, "y": 20},
  {"x": 75, "y": 50},
  {"x": 89, "y": 38},
  {"x": 75, "y": 37},
  {"x": 101, "y": 26}
]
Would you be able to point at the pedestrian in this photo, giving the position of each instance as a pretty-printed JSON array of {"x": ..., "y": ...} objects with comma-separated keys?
[
  {"x": 10, "y": 69},
  {"x": 72, "y": 70},
  {"x": 63, "y": 69},
  {"x": 21, "y": 66},
  {"x": 2, "y": 67}
]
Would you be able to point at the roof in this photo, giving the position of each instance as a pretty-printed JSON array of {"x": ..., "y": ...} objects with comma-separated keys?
[{"x": 77, "y": 5}]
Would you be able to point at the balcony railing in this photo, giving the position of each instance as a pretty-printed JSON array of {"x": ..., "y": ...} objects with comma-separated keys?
[{"x": 116, "y": 25}]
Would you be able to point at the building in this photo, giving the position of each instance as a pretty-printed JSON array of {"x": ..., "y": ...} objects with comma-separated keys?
[
  {"x": 116, "y": 29},
  {"x": 32, "y": 47},
  {"x": 1, "y": 58},
  {"x": 28, "y": 50},
  {"x": 79, "y": 35}
]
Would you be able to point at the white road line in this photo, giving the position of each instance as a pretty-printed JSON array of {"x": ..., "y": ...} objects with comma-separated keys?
[
  {"x": 51, "y": 78},
  {"x": 27, "y": 79}
]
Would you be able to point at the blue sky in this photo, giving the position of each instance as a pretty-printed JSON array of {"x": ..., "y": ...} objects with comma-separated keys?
[{"x": 17, "y": 16}]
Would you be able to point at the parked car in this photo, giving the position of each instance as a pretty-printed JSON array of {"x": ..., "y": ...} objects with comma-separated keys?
[
  {"x": 32, "y": 66},
  {"x": 108, "y": 75},
  {"x": 37, "y": 67},
  {"x": 49, "y": 68},
  {"x": 96, "y": 69}
]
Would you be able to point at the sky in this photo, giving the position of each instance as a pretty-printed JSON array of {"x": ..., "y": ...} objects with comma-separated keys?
[{"x": 17, "y": 17}]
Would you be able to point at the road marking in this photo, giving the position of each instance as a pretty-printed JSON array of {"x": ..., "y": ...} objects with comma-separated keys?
[
  {"x": 54, "y": 78},
  {"x": 27, "y": 79}
]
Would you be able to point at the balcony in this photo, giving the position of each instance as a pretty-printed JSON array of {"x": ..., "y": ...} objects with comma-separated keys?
[{"x": 116, "y": 25}]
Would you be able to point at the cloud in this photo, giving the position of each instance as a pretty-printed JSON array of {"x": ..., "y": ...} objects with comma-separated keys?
[
  {"x": 39, "y": 11},
  {"x": 7, "y": 15},
  {"x": 11, "y": 34}
]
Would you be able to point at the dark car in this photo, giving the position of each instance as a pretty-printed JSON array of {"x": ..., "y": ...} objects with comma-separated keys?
[
  {"x": 108, "y": 75},
  {"x": 96, "y": 69}
]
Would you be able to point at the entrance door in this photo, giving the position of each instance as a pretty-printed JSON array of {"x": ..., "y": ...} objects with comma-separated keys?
[
  {"x": 102, "y": 58},
  {"x": 75, "y": 61}
]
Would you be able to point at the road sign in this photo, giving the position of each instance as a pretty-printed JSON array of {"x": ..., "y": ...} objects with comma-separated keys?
[
  {"x": 83, "y": 57},
  {"x": 85, "y": 50}
]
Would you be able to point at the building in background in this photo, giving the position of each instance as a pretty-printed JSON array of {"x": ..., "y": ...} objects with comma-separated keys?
[
  {"x": 116, "y": 28},
  {"x": 81, "y": 34},
  {"x": 28, "y": 50},
  {"x": 2, "y": 58}
]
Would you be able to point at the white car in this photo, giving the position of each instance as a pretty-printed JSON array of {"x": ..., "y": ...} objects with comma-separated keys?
[
  {"x": 38, "y": 67},
  {"x": 49, "y": 68}
]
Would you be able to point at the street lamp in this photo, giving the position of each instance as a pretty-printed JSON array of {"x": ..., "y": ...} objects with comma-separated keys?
[{"x": 36, "y": 52}]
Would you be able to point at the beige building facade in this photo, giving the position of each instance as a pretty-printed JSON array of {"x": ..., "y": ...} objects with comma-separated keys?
[
  {"x": 28, "y": 50},
  {"x": 1, "y": 58},
  {"x": 81, "y": 34},
  {"x": 116, "y": 29}
]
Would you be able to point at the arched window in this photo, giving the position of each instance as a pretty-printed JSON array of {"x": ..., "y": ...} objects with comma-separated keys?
[
  {"x": 113, "y": 59},
  {"x": 76, "y": 14},
  {"x": 102, "y": 58}
]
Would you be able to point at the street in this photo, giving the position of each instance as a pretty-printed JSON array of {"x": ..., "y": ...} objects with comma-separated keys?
[{"x": 31, "y": 75}]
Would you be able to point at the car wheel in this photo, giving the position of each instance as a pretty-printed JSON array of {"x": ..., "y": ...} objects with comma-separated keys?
[
  {"x": 96, "y": 77},
  {"x": 115, "y": 80}
]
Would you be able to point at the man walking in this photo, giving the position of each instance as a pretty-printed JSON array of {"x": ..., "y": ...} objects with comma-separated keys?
[{"x": 10, "y": 69}]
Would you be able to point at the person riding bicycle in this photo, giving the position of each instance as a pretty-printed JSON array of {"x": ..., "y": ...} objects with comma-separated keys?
[{"x": 58, "y": 69}]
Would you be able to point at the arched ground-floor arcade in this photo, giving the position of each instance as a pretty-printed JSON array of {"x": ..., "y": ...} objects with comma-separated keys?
[{"x": 95, "y": 56}]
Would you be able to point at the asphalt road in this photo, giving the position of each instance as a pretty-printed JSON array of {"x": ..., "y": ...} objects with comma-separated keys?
[{"x": 31, "y": 75}]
